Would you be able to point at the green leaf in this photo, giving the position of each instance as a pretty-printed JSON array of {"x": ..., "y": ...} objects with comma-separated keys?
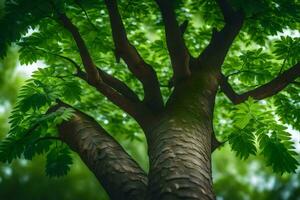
[
  {"x": 277, "y": 147},
  {"x": 72, "y": 91},
  {"x": 34, "y": 101},
  {"x": 277, "y": 155},
  {"x": 58, "y": 162},
  {"x": 244, "y": 120},
  {"x": 288, "y": 102},
  {"x": 63, "y": 114},
  {"x": 37, "y": 147},
  {"x": 288, "y": 49},
  {"x": 243, "y": 143},
  {"x": 11, "y": 148}
]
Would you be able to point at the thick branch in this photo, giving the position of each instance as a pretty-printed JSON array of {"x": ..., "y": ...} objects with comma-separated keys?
[
  {"x": 136, "y": 109},
  {"x": 118, "y": 173},
  {"x": 226, "y": 9},
  {"x": 124, "y": 49},
  {"x": 183, "y": 27},
  {"x": 174, "y": 35},
  {"x": 269, "y": 89},
  {"x": 87, "y": 61},
  {"x": 216, "y": 51},
  {"x": 119, "y": 85}
]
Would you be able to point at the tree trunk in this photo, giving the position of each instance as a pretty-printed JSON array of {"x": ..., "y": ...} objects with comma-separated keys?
[
  {"x": 180, "y": 144},
  {"x": 180, "y": 161}
]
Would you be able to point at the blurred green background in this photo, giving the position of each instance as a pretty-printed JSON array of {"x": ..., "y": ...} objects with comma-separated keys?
[{"x": 233, "y": 179}]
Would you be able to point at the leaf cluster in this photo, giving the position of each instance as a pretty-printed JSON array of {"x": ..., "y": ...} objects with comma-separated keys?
[{"x": 256, "y": 130}]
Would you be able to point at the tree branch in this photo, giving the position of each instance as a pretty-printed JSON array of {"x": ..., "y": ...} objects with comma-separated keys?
[
  {"x": 114, "y": 83},
  {"x": 114, "y": 89},
  {"x": 269, "y": 89},
  {"x": 89, "y": 66},
  {"x": 86, "y": 15},
  {"x": 183, "y": 27},
  {"x": 216, "y": 51},
  {"x": 243, "y": 71},
  {"x": 226, "y": 9},
  {"x": 46, "y": 138},
  {"x": 215, "y": 143},
  {"x": 140, "y": 69},
  {"x": 93, "y": 76},
  {"x": 118, "y": 173},
  {"x": 174, "y": 35},
  {"x": 119, "y": 85}
]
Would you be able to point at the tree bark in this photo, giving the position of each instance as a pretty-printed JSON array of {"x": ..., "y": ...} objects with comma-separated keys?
[
  {"x": 180, "y": 161},
  {"x": 180, "y": 144},
  {"x": 120, "y": 175}
]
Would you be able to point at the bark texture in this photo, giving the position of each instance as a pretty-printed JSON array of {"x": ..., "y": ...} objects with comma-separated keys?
[
  {"x": 180, "y": 161},
  {"x": 118, "y": 173},
  {"x": 180, "y": 144}
]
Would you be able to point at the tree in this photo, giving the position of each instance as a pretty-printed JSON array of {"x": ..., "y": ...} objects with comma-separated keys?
[{"x": 219, "y": 48}]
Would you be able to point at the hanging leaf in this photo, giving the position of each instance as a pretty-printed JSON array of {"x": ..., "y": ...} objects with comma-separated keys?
[
  {"x": 277, "y": 155},
  {"x": 243, "y": 143},
  {"x": 59, "y": 161}
]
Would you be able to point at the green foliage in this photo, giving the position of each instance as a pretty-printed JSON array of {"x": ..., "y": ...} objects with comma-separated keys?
[
  {"x": 252, "y": 180},
  {"x": 288, "y": 49},
  {"x": 58, "y": 161},
  {"x": 36, "y": 147},
  {"x": 10, "y": 148},
  {"x": 72, "y": 91},
  {"x": 277, "y": 155},
  {"x": 33, "y": 127},
  {"x": 18, "y": 18},
  {"x": 243, "y": 143},
  {"x": 256, "y": 128},
  {"x": 34, "y": 101},
  {"x": 38, "y": 139},
  {"x": 288, "y": 102},
  {"x": 242, "y": 139},
  {"x": 22, "y": 175}
]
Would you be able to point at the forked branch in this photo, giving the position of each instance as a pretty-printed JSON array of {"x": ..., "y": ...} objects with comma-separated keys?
[
  {"x": 174, "y": 35},
  {"x": 183, "y": 27},
  {"x": 227, "y": 11},
  {"x": 89, "y": 66},
  {"x": 138, "y": 67},
  {"x": 214, "y": 54},
  {"x": 267, "y": 90},
  {"x": 111, "y": 87},
  {"x": 114, "y": 83}
]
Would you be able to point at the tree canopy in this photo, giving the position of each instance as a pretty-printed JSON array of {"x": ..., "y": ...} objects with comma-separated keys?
[{"x": 71, "y": 36}]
